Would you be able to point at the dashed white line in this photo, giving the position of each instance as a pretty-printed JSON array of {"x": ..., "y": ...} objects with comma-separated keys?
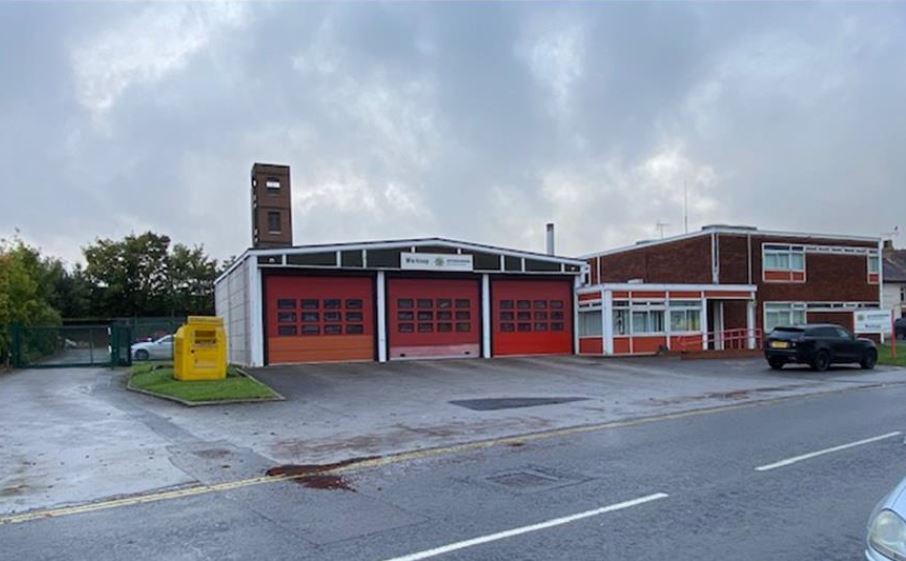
[
  {"x": 526, "y": 529},
  {"x": 794, "y": 459}
]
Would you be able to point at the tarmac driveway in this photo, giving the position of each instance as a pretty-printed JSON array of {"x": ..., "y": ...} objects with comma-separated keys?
[{"x": 74, "y": 435}]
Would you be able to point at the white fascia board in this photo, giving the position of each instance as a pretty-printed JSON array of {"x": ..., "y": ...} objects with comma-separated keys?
[
  {"x": 732, "y": 231},
  {"x": 408, "y": 244},
  {"x": 669, "y": 287}
]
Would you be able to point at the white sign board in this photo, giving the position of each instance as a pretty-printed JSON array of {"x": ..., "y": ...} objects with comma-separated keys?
[
  {"x": 873, "y": 321},
  {"x": 435, "y": 262}
]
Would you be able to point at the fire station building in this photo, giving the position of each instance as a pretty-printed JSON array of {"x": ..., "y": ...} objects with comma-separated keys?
[
  {"x": 722, "y": 287},
  {"x": 387, "y": 300}
]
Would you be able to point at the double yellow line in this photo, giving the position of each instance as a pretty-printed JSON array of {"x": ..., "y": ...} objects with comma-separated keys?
[{"x": 203, "y": 489}]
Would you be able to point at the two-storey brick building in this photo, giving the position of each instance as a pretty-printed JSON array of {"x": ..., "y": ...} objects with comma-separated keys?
[{"x": 722, "y": 286}]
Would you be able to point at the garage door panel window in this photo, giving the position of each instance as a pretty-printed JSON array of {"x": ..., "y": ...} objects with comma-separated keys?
[
  {"x": 463, "y": 303},
  {"x": 444, "y": 304},
  {"x": 406, "y": 328},
  {"x": 783, "y": 314},
  {"x": 311, "y": 321},
  {"x": 507, "y": 327},
  {"x": 426, "y": 328},
  {"x": 426, "y": 316},
  {"x": 405, "y": 304},
  {"x": 506, "y": 304},
  {"x": 405, "y": 316},
  {"x": 425, "y": 304}
]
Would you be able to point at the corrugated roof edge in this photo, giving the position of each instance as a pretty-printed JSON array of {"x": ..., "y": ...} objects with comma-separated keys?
[
  {"x": 391, "y": 244},
  {"x": 741, "y": 231}
]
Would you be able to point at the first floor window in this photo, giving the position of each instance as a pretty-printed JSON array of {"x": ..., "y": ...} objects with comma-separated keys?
[
  {"x": 589, "y": 323},
  {"x": 784, "y": 258},
  {"x": 874, "y": 265},
  {"x": 647, "y": 321},
  {"x": 783, "y": 315},
  {"x": 903, "y": 293}
]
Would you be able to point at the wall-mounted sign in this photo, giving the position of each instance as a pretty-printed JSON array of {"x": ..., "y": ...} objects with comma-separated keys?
[
  {"x": 872, "y": 321},
  {"x": 435, "y": 262}
]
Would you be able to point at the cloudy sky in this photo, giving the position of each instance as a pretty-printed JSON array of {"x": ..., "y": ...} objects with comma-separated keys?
[{"x": 479, "y": 121}]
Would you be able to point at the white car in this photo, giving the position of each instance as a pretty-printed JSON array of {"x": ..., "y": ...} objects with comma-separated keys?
[{"x": 161, "y": 349}]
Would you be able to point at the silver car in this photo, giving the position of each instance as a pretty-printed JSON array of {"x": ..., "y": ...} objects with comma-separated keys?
[
  {"x": 161, "y": 349},
  {"x": 887, "y": 527}
]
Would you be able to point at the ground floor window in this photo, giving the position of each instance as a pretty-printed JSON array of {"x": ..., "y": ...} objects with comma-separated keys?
[
  {"x": 590, "y": 323},
  {"x": 783, "y": 314},
  {"x": 621, "y": 318},
  {"x": 685, "y": 316},
  {"x": 647, "y": 318}
]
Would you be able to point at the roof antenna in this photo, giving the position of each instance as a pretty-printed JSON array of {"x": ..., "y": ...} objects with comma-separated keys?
[{"x": 660, "y": 228}]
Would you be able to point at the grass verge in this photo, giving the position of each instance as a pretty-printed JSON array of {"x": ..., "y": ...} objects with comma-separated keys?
[
  {"x": 885, "y": 356},
  {"x": 157, "y": 379}
]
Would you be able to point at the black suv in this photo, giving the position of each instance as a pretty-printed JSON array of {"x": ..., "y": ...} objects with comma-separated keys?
[
  {"x": 819, "y": 346},
  {"x": 899, "y": 327}
]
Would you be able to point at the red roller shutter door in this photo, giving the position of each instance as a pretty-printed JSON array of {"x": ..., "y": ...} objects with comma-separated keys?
[
  {"x": 319, "y": 319},
  {"x": 433, "y": 318},
  {"x": 531, "y": 317}
]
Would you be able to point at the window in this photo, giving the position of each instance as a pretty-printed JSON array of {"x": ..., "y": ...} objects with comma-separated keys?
[
  {"x": 273, "y": 222},
  {"x": 589, "y": 323},
  {"x": 903, "y": 293},
  {"x": 685, "y": 315},
  {"x": 404, "y": 304},
  {"x": 286, "y": 304},
  {"x": 647, "y": 321},
  {"x": 463, "y": 303},
  {"x": 286, "y": 317},
  {"x": 621, "y": 318},
  {"x": 874, "y": 265},
  {"x": 286, "y": 330},
  {"x": 272, "y": 184},
  {"x": 784, "y": 258},
  {"x": 783, "y": 315}
]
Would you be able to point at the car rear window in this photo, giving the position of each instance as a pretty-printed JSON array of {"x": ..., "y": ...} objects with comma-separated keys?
[{"x": 787, "y": 333}]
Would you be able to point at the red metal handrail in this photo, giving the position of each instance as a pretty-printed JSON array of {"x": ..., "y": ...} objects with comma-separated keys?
[{"x": 731, "y": 339}]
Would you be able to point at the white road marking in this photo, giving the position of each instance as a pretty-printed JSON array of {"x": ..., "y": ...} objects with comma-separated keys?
[
  {"x": 526, "y": 529},
  {"x": 810, "y": 455}
]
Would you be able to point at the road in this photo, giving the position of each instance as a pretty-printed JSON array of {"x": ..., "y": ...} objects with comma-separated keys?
[{"x": 794, "y": 479}]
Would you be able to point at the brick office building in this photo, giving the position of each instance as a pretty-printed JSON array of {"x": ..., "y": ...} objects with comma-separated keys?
[{"x": 722, "y": 286}]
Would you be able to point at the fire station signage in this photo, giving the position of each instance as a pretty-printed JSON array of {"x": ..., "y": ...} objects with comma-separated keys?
[
  {"x": 435, "y": 262},
  {"x": 873, "y": 321}
]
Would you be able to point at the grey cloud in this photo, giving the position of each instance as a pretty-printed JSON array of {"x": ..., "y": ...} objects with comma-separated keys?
[{"x": 476, "y": 121}]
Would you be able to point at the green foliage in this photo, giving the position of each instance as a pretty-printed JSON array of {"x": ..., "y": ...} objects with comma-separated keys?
[
  {"x": 142, "y": 276},
  {"x": 234, "y": 387},
  {"x": 26, "y": 288},
  {"x": 885, "y": 354}
]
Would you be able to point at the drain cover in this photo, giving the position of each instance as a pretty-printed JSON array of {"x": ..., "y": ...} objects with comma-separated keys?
[
  {"x": 493, "y": 404},
  {"x": 525, "y": 479}
]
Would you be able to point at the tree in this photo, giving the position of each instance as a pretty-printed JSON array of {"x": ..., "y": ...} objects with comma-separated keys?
[
  {"x": 142, "y": 276},
  {"x": 24, "y": 291},
  {"x": 191, "y": 275},
  {"x": 128, "y": 277}
]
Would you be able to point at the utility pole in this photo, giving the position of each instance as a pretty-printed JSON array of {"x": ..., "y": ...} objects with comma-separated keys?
[{"x": 685, "y": 207}]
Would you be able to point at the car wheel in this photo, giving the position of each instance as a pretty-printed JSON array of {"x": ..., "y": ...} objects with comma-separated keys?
[
  {"x": 869, "y": 359},
  {"x": 141, "y": 354},
  {"x": 776, "y": 363},
  {"x": 821, "y": 362}
]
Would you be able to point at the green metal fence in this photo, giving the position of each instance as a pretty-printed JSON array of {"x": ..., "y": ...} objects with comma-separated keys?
[{"x": 70, "y": 345}]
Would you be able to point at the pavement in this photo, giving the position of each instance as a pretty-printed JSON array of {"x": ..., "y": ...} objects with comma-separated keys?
[
  {"x": 790, "y": 479},
  {"x": 75, "y": 436}
]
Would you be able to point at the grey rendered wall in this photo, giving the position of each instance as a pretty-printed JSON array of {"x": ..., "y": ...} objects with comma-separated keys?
[{"x": 231, "y": 302}]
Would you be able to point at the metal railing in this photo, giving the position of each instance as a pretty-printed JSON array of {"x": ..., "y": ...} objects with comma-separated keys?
[{"x": 727, "y": 339}]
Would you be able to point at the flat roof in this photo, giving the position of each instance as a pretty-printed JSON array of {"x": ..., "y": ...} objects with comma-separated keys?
[{"x": 738, "y": 230}]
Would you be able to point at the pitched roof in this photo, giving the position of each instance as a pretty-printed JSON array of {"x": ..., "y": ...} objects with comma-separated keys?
[{"x": 895, "y": 265}]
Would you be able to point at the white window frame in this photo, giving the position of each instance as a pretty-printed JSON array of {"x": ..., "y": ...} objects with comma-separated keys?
[
  {"x": 648, "y": 308},
  {"x": 876, "y": 261},
  {"x": 685, "y": 307},
  {"x": 782, "y": 250},
  {"x": 903, "y": 293},
  {"x": 272, "y": 185},
  {"x": 621, "y": 307},
  {"x": 791, "y": 307},
  {"x": 592, "y": 315}
]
